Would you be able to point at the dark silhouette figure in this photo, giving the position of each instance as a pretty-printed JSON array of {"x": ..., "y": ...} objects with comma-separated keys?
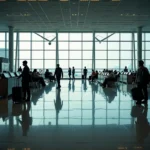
[
  {"x": 85, "y": 85},
  {"x": 125, "y": 69},
  {"x": 26, "y": 119},
  {"x": 58, "y": 105},
  {"x": 20, "y": 69},
  {"x": 142, "y": 79},
  {"x": 73, "y": 73},
  {"x": 49, "y": 75},
  {"x": 69, "y": 73},
  {"x": 142, "y": 124},
  {"x": 85, "y": 72},
  {"x": 58, "y": 73},
  {"x": 25, "y": 81}
]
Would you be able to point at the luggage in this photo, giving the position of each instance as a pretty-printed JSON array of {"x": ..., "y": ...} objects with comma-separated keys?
[
  {"x": 17, "y": 93},
  {"x": 17, "y": 110},
  {"x": 82, "y": 76},
  {"x": 137, "y": 94}
]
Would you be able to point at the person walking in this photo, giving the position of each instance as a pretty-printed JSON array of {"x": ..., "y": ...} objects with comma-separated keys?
[
  {"x": 58, "y": 73},
  {"x": 25, "y": 81},
  {"x": 73, "y": 72},
  {"x": 69, "y": 73},
  {"x": 85, "y": 73},
  {"x": 142, "y": 79}
]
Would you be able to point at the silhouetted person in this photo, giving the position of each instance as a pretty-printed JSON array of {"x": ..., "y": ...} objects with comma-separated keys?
[
  {"x": 85, "y": 72},
  {"x": 26, "y": 119},
  {"x": 73, "y": 73},
  {"x": 85, "y": 85},
  {"x": 37, "y": 77},
  {"x": 49, "y": 75},
  {"x": 58, "y": 73},
  {"x": 125, "y": 69},
  {"x": 58, "y": 105},
  {"x": 20, "y": 69},
  {"x": 142, "y": 79},
  {"x": 69, "y": 73},
  {"x": 25, "y": 81}
]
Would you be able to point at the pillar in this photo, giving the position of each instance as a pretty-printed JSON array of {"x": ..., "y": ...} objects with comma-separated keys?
[
  {"x": 11, "y": 48},
  {"x": 93, "y": 52},
  {"x": 57, "y": 52},
  {"x": 139, "y": 44}
]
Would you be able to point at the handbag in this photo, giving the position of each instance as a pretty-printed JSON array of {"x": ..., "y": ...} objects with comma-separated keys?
[{"x": 137, "y": 94}]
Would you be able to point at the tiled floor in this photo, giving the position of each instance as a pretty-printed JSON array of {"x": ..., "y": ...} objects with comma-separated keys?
[{"x": 81, "y": 115}]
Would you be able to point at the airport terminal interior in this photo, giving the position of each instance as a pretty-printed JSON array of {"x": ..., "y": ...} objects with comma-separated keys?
[{"x": 101, "y": 35}]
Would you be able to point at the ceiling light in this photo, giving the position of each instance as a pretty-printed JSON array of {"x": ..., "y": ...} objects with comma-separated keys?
[
  {"x": 94, "y": 0},
  {"x": 63, "y": 0},
  {"x": 134, "y": 15}
]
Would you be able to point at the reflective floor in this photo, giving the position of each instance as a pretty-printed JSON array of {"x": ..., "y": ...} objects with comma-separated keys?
[{"x": 81, "y": 115}]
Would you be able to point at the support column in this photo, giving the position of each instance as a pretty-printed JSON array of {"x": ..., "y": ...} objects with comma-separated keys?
[
  {"x": 11, "y": 48},
  {"x": 139, "y": 44},
  {"x": 57, "y": 53},
  {"x": 93, "y": 52}
]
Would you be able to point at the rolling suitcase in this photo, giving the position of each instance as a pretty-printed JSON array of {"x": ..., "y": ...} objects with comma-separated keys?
[{"x": 17, "y": 93}]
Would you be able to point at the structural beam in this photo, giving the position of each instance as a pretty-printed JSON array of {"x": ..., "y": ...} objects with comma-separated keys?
[{"x": 139, "y": 44}]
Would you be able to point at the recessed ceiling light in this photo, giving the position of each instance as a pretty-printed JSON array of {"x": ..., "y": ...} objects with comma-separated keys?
[
  {"x": 134, "y": 15},
  {"x": 121, "y": 14}
]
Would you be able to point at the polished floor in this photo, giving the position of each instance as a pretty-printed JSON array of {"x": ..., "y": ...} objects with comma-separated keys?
[{"x": 81, "y": 115}]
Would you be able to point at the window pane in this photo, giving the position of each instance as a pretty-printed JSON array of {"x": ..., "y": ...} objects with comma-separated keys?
[
  {"x": 125, "y": 54},
  {"x": 50, "y": 64},
  {"x": 113, "y": 64},
  {"x": 2, "y": 45},
  {"x": 75, "y": 36},
  {"x": 63, "y": 54},
  {"x": 63, "y": 36},
  {"x": 2, "y": 36},
  {"x": 113, "y": 54},
  {"x": 147, "y": 64},
  {"x": 126, "y": 45},
  {"x": 63, "y": 45},
  {"x": 87, "y": 45},
  {"x": 126, "y": 36},
  {"x": 37, "y": 64},
  {"x": 25, "y": 36},
  {"x": 37, "y": 45},
  {"x": 147, "y": 35},
  {"x": 125, "y": 63},
  {"x": 24, "y": 55},
  {"x": 87, "y": 54},
  {"x": 63, "y": 64},
  {"x": 100, "y": 54},
  {"x": 100, "y": 46},
  {"x": 88, "y": 64},
  {"x": 113, "y": 46},
  {"x": 2, "y": 53},
  {"x": 87, "y": 37},
  {"x": 50, "y": 54},
  {"x": 75, "y": 63},
  {"x": 35, "y": 37},
  {"x": 37, "y": 54},
  {"x": 147, "y": 45},
  {"x": 50, "y": 47},
  {"x": 75, "y": 54},
  {"x": 114, "y": 37},
  {"x": 101, "y": 64},
  {"x": 147, "y": 54},
  {"x": 75, "y": 45},
  {"x": 50, "y": 36},
  {"x": 25, "y": 45}
]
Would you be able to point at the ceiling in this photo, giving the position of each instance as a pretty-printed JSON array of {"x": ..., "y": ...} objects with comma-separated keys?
[{"x": 75, "y": 15}]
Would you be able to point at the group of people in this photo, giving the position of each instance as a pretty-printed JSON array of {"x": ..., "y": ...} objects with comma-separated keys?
[{"x": 71, "y": 72}]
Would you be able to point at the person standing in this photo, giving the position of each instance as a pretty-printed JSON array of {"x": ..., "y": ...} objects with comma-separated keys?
[
  {"x": 73, "y": 72},
  {"x": 25, "y": 81},
  {"x": 58, "y": 73},
  {"x": 85, "y": 73},
  {"x": 69, "y": 73},
  {"x": 142, "y": 79}
]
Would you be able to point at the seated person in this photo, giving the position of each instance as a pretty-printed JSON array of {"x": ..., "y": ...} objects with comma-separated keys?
[
  {"x": 111, "y": 77},
  {"x": 96, "y": 75},
  {"x": 125, "y": 69},
  {"x": 92, "y": 77},
  {"x": 49, "y": 75},
  {"x": 36, "y": 77}
]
